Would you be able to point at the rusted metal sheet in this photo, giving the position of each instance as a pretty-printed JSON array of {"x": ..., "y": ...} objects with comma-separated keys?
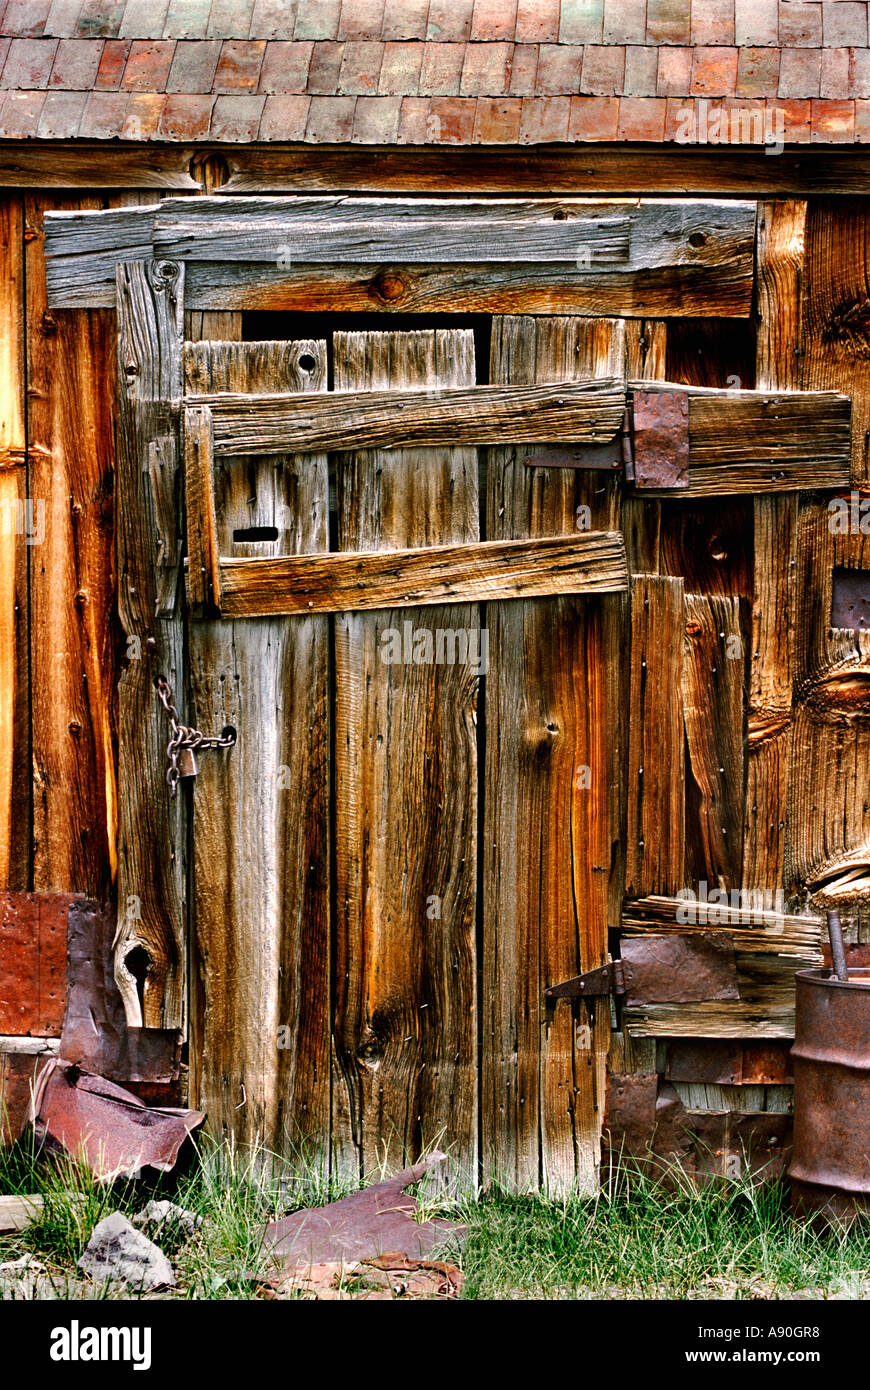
[
  {"x": 18, "y": 1077},
  {"x": 378, "y": 1219},
  {"x": 830, "y": 1170},
  {"x": 609, "y": 456},
  {"x": 850, "y": 599},
  {"x": 33, "y": 962},
  {"x": 724, "y": 1062},
  {"x": 95, "y": 1032},
  {"x": 106, "y": 1127},
  {"x": 661, "y": 439},
  {"x": 685, "y": 968}
]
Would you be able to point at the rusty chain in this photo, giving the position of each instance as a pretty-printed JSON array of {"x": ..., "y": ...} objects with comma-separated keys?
[{"x": 184, "y": 737}]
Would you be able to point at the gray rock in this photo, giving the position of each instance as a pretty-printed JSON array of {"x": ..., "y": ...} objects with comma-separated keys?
[
  {"x": 117, "y": 1252},
  {"x": 165, "y": 1217}
]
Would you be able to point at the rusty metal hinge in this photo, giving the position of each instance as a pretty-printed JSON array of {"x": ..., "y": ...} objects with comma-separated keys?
[
  {"x": 607, "y": 979},
  {"x": 651, "y": 446}
]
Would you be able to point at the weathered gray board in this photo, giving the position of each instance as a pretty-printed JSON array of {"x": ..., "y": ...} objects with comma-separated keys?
[{"x": 636, "y": 256}]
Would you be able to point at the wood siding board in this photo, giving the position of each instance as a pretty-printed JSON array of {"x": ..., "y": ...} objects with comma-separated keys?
[
  {"x": 261, "y": 919},
  {"x": 550, "y": 712},
  {"x": 71, "y": 420},
  {"x": 405, "y": 1036},
  {"x": 655, "y": 840},
  {"x": 151, "y": 867},
  {"x": 15, "y": 759},
  {"x": 203, "y": 564},
  {"x": 354, "y": 581}
]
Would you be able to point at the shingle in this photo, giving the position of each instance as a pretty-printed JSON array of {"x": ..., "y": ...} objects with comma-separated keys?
[
  {"x": 860, "y": 72},
  {"x": 193, "y": 66},
  {"x": 62, "y": 20},
  {"x": 641, "y": 119},
  {"x": 713, "y": 22},
  {"x": 844, "y": 25},
  {"x": 400, "y": 69},
  {"x": 148, "y": 64},
  {"x": 412, "y": 121},
  {"x": 186, "y": 19},
  {"x": 493, "y": 21},
  {"x": 284, "y": 117},
  {"x": 273, "y": 19},
  {"x": 603, "y": 70},
  {"x": 674, "y": 72},
  {"x": 756, "y": 23},
  {"x": 405, "y": 19},
  {"x": 317, "y": 19},
  {"x": 593, "y": 118},
  {"x": 324, "y": 68},
  {"x": 862, "y": 121},
  {"x": 76, "y": 64},
  {"x": 797, "y": 117},
  {"x": 581, "y": 21},
  {"x": 800, "y": 72},
  {"x": 441, "y": 70},
  {"x": 330, "y": 120},
  {"x": 361, "y": 19},
  {"x": 376, "y": 120},
  {"x": 559, "y": 69},
  {"x": 451, "y": 120},
  {"x": 833, "y": 121},
  {"x": 800, "y": 26},
  {"x": 538, "y": 21},
  {"x": 143, "y": 19},
  {"x": 497, "y": 121},
  {"x": 104, "y": 115},
  {"x": 360, "y": 68},
  {"x": 112, "y": 62},
  {"x": 449, "y": 21},
  {"x": 28, "y": 64},
  {"x": 238, "y": 68},
  {"x": 61, "y": 115},
  {"x": 668, "y": 21},
  {"x": 545, "y": 120},
  {"x": 19, "y": 117},
  {"x": 229, "y": 19},
  {"x": 641, "y": 63},
  {"x": 25, "y": 18},
  {"x": 524, "y": 69},
  {"x": 236, "y": 117},
  {"x": 835, "y": 84},
  {"x": 100, "y": 19},
  {"x": 624, "y": 21},
  {"x": 486, "y": 70},
  {"x": 186, "y": 116},
  {"x": 142, "y": 117},
  {"x": 757, "y": 72},
  {"x": 285, "y": 65},
  {"x": 714, "y": 72}
]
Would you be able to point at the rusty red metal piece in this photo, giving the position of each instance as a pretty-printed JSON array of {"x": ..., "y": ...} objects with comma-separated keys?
[
  {"x": 721, "y": 1062},
  {"x": 104, "y": 1126},
  {"x": 680, "y": 968},
  {"x": 830, "y": 1170},
  {"x": 33, "y": 962},
  {"x": 369, "y": 1223},
  {"x": 660, "y": 435}
]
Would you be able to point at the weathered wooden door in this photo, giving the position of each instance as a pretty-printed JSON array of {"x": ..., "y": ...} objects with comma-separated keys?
[{"x": 498, "y": 643}]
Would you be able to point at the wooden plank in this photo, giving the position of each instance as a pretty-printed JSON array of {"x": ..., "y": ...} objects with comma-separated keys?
[
  {"x": 151, "y": 869},
  {"x": 655, "y": 839},
  {"x": 416, "y": 231},
  {"x": 770, "y": 947},
  {"x": 593, "y": 563},
  {"x": 18, "y": 1212},
  {"x": 396, "y": 419},
  {"x": 551, "y": 727},
  {"x": 203, "y": 560},
  {"x": 71, "y": 372},
  {"x": 15, "y": 763},
  {"x": 82, "y": 274},
  {"x": 77, "y": 164},
  {"x": 780, "y": 257},
  {"x": 713, "y": 677},
  {"x": 595, "y": 170},
  {"x": 261, "y": 921},
  {"x": 405, "y": 1038},
  {"x": 638, "y": 257}
]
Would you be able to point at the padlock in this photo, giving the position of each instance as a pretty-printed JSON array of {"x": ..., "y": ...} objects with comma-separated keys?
[{"x": 187, "y": 763}]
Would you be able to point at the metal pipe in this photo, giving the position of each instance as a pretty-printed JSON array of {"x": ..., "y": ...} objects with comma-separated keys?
[{"x": 838, "y": 953}]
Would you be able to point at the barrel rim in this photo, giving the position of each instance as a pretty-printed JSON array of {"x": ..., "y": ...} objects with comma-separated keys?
[{"x": 828, "y": 978}]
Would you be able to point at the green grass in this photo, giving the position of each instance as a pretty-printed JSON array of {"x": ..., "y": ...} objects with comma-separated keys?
[{"x": 637, "y": 1239}]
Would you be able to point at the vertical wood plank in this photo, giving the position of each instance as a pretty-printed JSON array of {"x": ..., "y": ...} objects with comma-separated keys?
[
  {"x": 551, "y": 799},
  {"x": 150, "y": 954},
  {"x": 15, "y": 776},
  {"x": 713, "y": 666},
  {"x": 655, "y": 839},
  {"x": 71, "y": 422},
  {"x": 260, "y": 905},
  {"x": 404, "y": 1072},
  {"x": 779, "y": 272}
]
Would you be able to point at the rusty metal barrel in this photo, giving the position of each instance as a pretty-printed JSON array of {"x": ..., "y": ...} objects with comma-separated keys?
[{"x": 830, "y": 1166}]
